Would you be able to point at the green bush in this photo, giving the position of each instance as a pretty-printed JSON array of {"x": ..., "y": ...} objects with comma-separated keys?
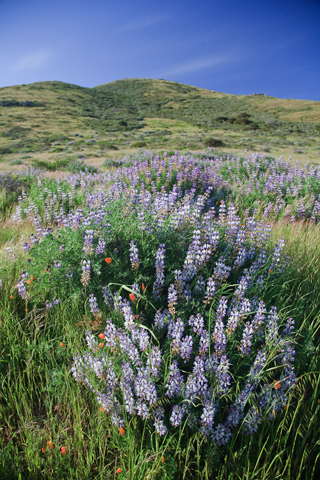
[
  {"x": 214, "y": 142},
  {"x": 138, "y": 144}
]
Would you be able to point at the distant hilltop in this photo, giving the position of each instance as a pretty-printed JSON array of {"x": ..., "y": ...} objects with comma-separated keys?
[{"x": 59, "y": 122}]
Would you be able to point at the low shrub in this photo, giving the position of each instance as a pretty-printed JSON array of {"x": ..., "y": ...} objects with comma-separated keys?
[
  {"x": 214, "y": 142},
  {"x": 138, "y": 144}
]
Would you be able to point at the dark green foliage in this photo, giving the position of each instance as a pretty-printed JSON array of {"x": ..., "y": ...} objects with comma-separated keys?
[
  {"x": 138, "y": 144},
  {"x": 4, "y": 150},
  {"x": 16, "y": 132},
  {"x": 15, "y": 103},
  {"x": 70, "y": 164},
  {"x": 11, "y": 187},
  {"x": 16, "y": 161},
  {"x": 214, "y": 142},
  {"x": 105, "y": 145}
]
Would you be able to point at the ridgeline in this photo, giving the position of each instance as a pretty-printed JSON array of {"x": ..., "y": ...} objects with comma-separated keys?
[{"x": 48, "y": 124}]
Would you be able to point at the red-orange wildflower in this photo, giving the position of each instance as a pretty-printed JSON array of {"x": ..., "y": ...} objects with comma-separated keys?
[
  {"x": 108, "y": 260},
  {"x": 63, "y": 450},
  {"x": 61, "y": 344},
  {"x": 132, "y": 297},
  {"x": 143, "y": 287},
  {"x": 50, "y": 444},
  {"x": 101, "y": 345},
  {"x": 11, "y": 296},
  {"x": 119, "y": 470},
  {"x": 28, "y": 281},
  {"x": 163, "y": 459},
  {"x": 276, "y": 384},
  {"x": 121, "y": 430},
  {"x": 101, "y": 335},
  {"x": 270, "y": 271},
  {"x": 43, "y": 449}
]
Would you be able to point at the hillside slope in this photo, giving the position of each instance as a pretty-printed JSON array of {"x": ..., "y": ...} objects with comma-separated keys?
[{"x": 46, "y": 121}]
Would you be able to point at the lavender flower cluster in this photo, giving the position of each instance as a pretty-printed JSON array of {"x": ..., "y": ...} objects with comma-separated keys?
[
  {"x": 195, "y": 361},
  {"x": 271, "y": 188},
  {"x": 195, "y": 366},
  {"x": 203, "y": 359}
]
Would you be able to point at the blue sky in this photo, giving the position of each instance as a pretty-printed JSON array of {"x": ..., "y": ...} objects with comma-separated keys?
[{"x": 231, "y": 46}]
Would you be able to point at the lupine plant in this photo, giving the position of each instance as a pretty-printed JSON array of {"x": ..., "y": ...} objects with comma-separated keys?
[
  {"x": 193, "y": 354},
  {"x": 214, "y": 365},
  {"x": 197, "y": 349}
]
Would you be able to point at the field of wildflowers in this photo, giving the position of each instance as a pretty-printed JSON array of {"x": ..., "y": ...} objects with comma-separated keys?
[{"x": 161, "y": 320}]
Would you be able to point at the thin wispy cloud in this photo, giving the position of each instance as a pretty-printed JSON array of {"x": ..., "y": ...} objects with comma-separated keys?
[
  {"x": 31, "y": 61},
  {"x": 202, "y": 63},
  {"x": 142, "y": 24}
]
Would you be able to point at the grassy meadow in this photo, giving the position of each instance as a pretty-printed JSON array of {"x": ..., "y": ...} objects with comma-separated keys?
[{"x": 159, "y": 309}]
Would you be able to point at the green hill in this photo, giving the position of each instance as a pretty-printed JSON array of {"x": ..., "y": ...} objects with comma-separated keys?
[{"x": 55, "y": 122}]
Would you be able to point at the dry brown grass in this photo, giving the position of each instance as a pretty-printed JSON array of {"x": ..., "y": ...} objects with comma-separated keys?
[
  {"x": 291, "y": 110},
  {"x": 302, "y": 244}
]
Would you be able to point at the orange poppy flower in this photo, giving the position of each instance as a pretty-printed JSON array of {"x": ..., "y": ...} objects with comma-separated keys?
[
  {"x": 132, "y": 297},
  {"x": 121, "y": 430},
  {"x": 276, "y": 384},
  {"x": 50, "y": 444},
  {"x": 43, "y": 449},
  {"x": 143, "y": 287},
  {"x": 61, "y": 344},
  {"x": 11, "y": 296},
  {"x": 270, "y": 271},
  {"x": 119, "y": 470},
  {"x": 101, "y": 409},
  {"x": 101, "y": 335},
  {"x": 163, "y": 459},
  {"x": 108, "y": 260},
  {"x": 63, "y": 450},
  {"x": 28, "y": 281},
  {"x": 101, "y": 345},
  {"x": 26, "y": 310}
]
